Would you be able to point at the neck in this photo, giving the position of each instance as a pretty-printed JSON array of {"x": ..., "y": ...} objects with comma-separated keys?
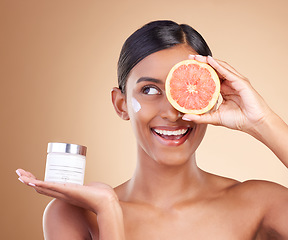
[{"x": 165, "y": 185}]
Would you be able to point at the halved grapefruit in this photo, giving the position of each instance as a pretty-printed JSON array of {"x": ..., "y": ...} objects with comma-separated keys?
[{"x": 192, "y": 87}]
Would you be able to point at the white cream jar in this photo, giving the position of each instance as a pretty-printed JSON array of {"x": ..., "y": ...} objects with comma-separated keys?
[{"x": 65, "y": 163}]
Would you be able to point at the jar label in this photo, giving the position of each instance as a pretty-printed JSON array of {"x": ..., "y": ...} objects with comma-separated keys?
[{"x": 65, "y": 168}]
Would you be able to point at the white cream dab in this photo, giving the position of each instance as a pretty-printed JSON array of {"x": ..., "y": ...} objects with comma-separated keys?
[{"x": 136, "y": 105}]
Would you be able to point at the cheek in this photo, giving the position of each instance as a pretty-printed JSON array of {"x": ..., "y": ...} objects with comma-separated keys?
[
  {"x": 142, "y": 108},
  {"x": 148, "y": 110},
  {"x": 135, "y": 105},
  {"x": 142, "y": 112}
]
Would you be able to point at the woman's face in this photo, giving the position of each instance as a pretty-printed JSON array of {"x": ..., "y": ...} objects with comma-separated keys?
[{"x": 161, "y": 133}]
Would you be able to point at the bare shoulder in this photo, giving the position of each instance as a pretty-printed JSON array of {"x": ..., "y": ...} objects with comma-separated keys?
[
  {"x": 264, "y": 193},
  {"x": 258, "y": 189},
  {"x": 263, "y": 204},
  {"x": 272, "y": 200},
  {"x": 62, "y": 220}
]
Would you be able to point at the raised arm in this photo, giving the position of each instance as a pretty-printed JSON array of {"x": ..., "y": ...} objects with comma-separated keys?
[
  {"x": 273, "y": 132},
  {"x": 245, "y": 110},
  {"x": 97, "y": 198}
]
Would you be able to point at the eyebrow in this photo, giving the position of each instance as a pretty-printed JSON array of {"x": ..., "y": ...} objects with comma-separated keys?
[{"x": 148, "y": 79}]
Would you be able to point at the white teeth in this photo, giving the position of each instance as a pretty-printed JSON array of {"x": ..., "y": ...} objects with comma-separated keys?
[{"x": 169, "y": 133}]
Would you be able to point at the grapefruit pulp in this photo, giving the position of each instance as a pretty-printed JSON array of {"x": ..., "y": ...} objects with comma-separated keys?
[{"x": 192, "y": 87}]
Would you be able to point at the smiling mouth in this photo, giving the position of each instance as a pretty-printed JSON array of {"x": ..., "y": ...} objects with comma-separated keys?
[{"x": 172, "y": 134}]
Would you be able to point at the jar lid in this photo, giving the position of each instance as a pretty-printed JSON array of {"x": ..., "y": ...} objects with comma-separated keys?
[{"x": 66, "y": 148}]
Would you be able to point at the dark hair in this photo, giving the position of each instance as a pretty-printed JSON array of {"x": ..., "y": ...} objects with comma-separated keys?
[{"x": 153, "y": 37}]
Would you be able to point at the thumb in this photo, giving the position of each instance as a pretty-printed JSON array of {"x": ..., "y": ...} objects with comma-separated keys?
[{"x": 207, "y": 118}]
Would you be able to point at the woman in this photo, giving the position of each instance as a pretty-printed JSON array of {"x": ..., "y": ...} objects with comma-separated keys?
[{"x": 169, "y": 197}]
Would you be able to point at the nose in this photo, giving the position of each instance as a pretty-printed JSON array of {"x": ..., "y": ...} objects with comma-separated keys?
[{"x": 169, "y": 112}]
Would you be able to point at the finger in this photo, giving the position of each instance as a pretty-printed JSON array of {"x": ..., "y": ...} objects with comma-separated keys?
[
  {"x": 230, "y": 68},
  {"x": 50, "y": 193},
  {"x": 53, "y": 186},
  {"x": 191, "y": 56},
  {"x": 227, "y": 89},
  {"x": 207, "y": 118},
  {"x": 201, "y": 58},
  {"x": 31, "y": 181},
  {"x": 232, "y": 100},
  {"x": 57, "y": 190},
  {"x": 226, "y": 73},
  {"x": 21, "y": 172},
  {"x": 69, "y": 190},
  {"x": 204, "y": 59}
]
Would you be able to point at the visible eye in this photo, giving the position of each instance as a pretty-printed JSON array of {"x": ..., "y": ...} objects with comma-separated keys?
[{"x": 151, "y": 90}]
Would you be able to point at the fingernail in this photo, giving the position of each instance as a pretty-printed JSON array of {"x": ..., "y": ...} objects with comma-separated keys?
[
  {"x": 20, "y": 180},
  {"x": 18, "y": 173},
  {"x": 186, "y": 119},
  {"x": 32, "y": 184}
]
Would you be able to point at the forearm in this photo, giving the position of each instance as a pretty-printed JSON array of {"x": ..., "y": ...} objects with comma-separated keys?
[
  {"x": 274, "y": 134},
  {"x": 110, "y": 222}
]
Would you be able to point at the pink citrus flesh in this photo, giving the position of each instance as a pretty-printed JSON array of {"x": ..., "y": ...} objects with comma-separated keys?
[{"x": 192, "y": 87}]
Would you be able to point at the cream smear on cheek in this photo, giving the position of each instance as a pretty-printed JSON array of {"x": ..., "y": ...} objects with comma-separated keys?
[{"x": 136, "y": 105}]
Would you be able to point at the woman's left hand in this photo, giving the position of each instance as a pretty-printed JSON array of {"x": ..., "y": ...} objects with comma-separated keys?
[{"x": 242, "y": 107}]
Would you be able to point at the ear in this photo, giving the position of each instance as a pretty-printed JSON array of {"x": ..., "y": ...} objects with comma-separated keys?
[{"x": 119, "y": 103}]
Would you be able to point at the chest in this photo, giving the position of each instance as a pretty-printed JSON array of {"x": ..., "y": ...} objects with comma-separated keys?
[{"x": 201, "y": 222}]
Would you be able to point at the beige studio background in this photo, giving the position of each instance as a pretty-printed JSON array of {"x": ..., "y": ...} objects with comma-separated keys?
[{"x": 58, "y": 64}]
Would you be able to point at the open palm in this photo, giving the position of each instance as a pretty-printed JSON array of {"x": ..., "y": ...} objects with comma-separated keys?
[{"x": 92, "y": 197}]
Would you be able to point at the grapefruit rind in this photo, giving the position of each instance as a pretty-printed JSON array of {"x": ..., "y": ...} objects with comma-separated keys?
[{"x": 214, "y": 97}]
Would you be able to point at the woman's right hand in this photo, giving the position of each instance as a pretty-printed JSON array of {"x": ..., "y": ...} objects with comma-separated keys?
[
  {"x": 94, "y": 197},
  {"x": 97, "y": 197},
  {"x": 242, "y": 107}
]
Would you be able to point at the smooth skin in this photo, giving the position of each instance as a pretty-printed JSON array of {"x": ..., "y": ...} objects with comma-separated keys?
[{"x": 169, "y": 197}]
